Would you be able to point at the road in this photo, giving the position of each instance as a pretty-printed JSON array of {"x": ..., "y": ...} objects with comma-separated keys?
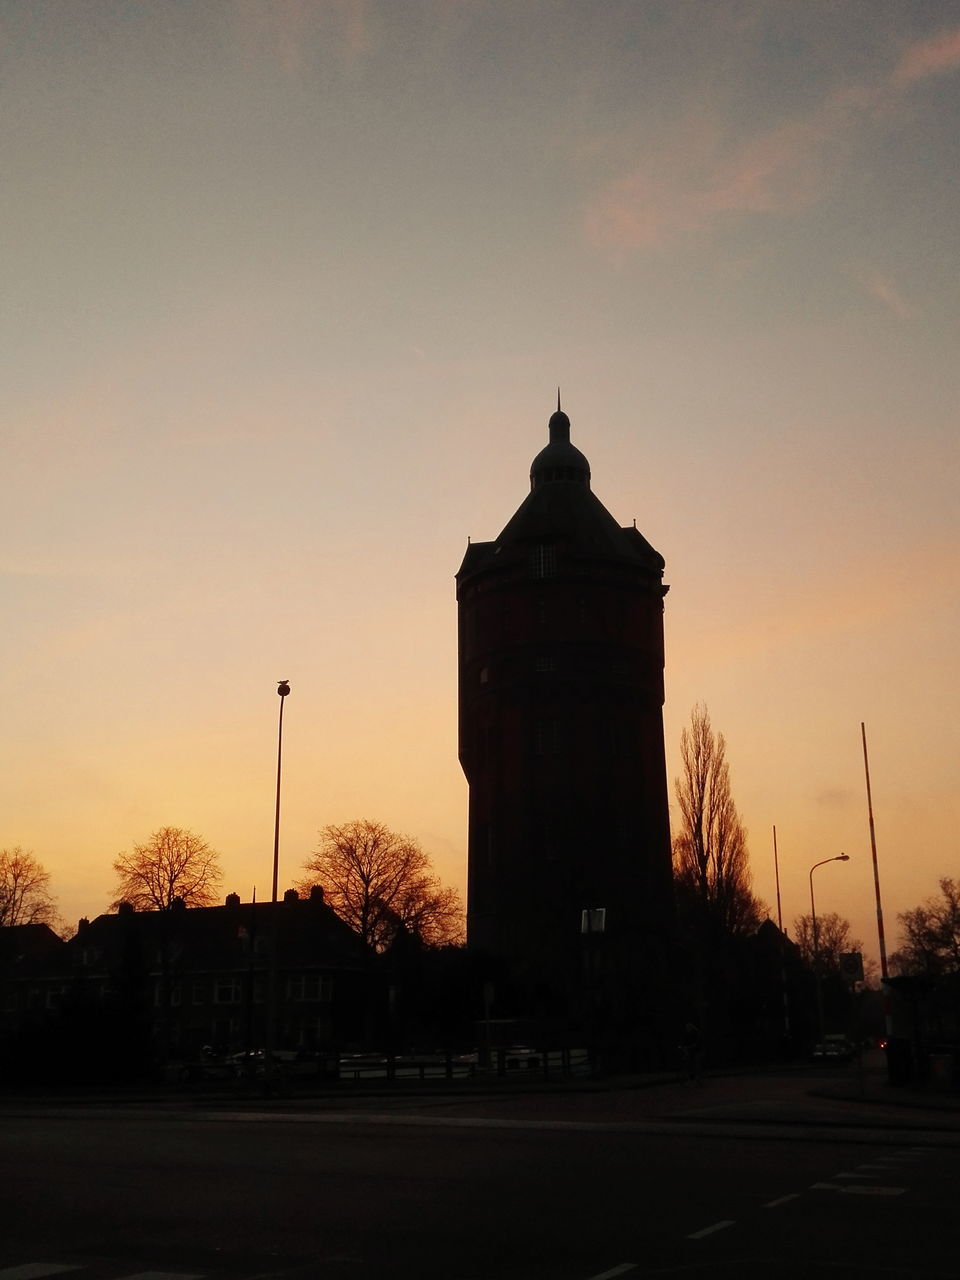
[{"x": 117, "y": 1194}]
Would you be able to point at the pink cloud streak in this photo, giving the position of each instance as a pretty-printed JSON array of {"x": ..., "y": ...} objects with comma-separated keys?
[
  {"x": 929, "y": 58},
  {"x": 694, "y": 179}
]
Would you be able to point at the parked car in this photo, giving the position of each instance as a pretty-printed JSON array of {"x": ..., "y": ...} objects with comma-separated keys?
[{"x": 833, "y": 1048}]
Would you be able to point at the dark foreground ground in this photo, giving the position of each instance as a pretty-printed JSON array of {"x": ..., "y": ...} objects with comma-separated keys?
[{"x": 790, "y": 1174}]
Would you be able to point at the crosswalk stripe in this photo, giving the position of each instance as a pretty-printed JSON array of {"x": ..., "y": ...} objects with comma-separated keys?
[{"x": 36, "y": 1270}]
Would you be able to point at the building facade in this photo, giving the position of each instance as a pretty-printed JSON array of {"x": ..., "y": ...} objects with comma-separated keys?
[
  {"x": 133, "y": 989},
  {"x": 561, "y": 661}
]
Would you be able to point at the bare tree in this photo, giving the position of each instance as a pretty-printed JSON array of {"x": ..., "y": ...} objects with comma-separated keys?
[
  {"x": 380, "y": 882},
  {"x": 25, "y": 891},
  {"x": 711, "y": 863},
  {"x": 833, "y": 940},
  {"x": 173, "y": 863},
  {"x": 930, "y": 939}
]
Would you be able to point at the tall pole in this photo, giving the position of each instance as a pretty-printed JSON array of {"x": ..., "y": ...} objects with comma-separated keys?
[
  {"x": 776, "y": 869},
  {"x": 873, "y": 850},
  {"x": 783, "y": 949},
  {"x": 841, "y": 857},
  {"x": 283, "y": 688}
]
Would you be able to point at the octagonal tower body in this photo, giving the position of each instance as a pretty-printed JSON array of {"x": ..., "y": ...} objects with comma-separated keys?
[{"x": 561, "y": 740}]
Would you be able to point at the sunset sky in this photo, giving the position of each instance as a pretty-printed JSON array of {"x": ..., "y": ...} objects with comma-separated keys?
[{"x": 288, "y": 287}]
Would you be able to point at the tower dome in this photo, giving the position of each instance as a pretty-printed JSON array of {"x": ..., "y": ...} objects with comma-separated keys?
[{"x": 559, "y": 460}]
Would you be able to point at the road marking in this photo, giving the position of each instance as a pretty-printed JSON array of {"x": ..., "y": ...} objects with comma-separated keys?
[
  {"x": 708, "y": 1231},
  {"x": 772, "y": 1204},
  {"x": 874, "y": 1190},
  {"x": 852, "y": 1189},
  {"x": 35, "y": 1270},
  {"x": 616, "y": 1271}
]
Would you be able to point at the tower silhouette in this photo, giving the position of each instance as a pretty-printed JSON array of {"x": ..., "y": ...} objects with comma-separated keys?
[{"x": 561, "y": 741}]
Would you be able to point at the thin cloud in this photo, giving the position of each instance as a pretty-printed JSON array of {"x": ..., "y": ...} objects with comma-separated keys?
[
  {"x": 837, "y": 798},
  {"x": 858, "y": 595},
  {"x": 883, "y": 290},
  {"x": 929, "y": 58},
  {"x": 699, "y": 177},
  {"x": 289, "y": 30}
]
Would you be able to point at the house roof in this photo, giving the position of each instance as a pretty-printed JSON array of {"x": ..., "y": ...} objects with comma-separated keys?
[{"x": 308, "y": 932}]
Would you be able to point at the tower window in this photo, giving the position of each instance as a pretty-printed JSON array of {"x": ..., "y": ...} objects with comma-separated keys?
[{"x": 543, "y": 561}]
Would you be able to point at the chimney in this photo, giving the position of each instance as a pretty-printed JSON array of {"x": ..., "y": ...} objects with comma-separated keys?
[
  {"x": 291, "y": 895},
  {"x": 233, "y": 900},
  {"x": 316, "y": 893}
]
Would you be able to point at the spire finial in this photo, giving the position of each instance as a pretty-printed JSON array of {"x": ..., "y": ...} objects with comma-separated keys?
[{"x": 558, "y": 400}]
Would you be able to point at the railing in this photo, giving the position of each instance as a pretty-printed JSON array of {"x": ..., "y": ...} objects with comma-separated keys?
[{"x": 499, "y": 1062}]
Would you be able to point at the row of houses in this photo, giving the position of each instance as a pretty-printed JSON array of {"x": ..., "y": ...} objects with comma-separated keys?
[{"x": 172, "y": 985}]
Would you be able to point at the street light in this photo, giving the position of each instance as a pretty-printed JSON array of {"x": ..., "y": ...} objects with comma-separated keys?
[
  {"x": 840, "y": 857},
  {"x": 283, "y": 688}
]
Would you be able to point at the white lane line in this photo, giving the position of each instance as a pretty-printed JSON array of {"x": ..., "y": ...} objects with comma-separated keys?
[
  {"x": 773, "y": 1204},
  {"x": 708, "y": 1231},
  {"x": 36, "y": 1270},
  {"x": 857, "y": 1189},
  {"x": 873, "y": 1190},
  {"x": 616, "y": 1271}
]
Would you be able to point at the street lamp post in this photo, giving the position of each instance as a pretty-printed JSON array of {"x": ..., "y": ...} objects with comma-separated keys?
[
  {"x": 283, "y": 688},
  {"x": 840, "y": 857}
]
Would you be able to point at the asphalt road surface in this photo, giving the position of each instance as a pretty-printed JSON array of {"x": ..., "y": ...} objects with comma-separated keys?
[{"x": 104, "y": 1195}]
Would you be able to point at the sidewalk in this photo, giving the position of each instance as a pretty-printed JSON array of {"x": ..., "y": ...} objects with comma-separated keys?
[
  {"x": 834, "y": 1097},
  {"x": 791, "y": 1095}
]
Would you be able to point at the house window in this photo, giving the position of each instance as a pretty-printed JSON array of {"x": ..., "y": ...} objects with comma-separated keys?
[
  {"x": 228, "y": 990},
  {"x": 201, "y": 993},
  {"x": 309, "y": 986},
  {"x": 173, "y": 993}
]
